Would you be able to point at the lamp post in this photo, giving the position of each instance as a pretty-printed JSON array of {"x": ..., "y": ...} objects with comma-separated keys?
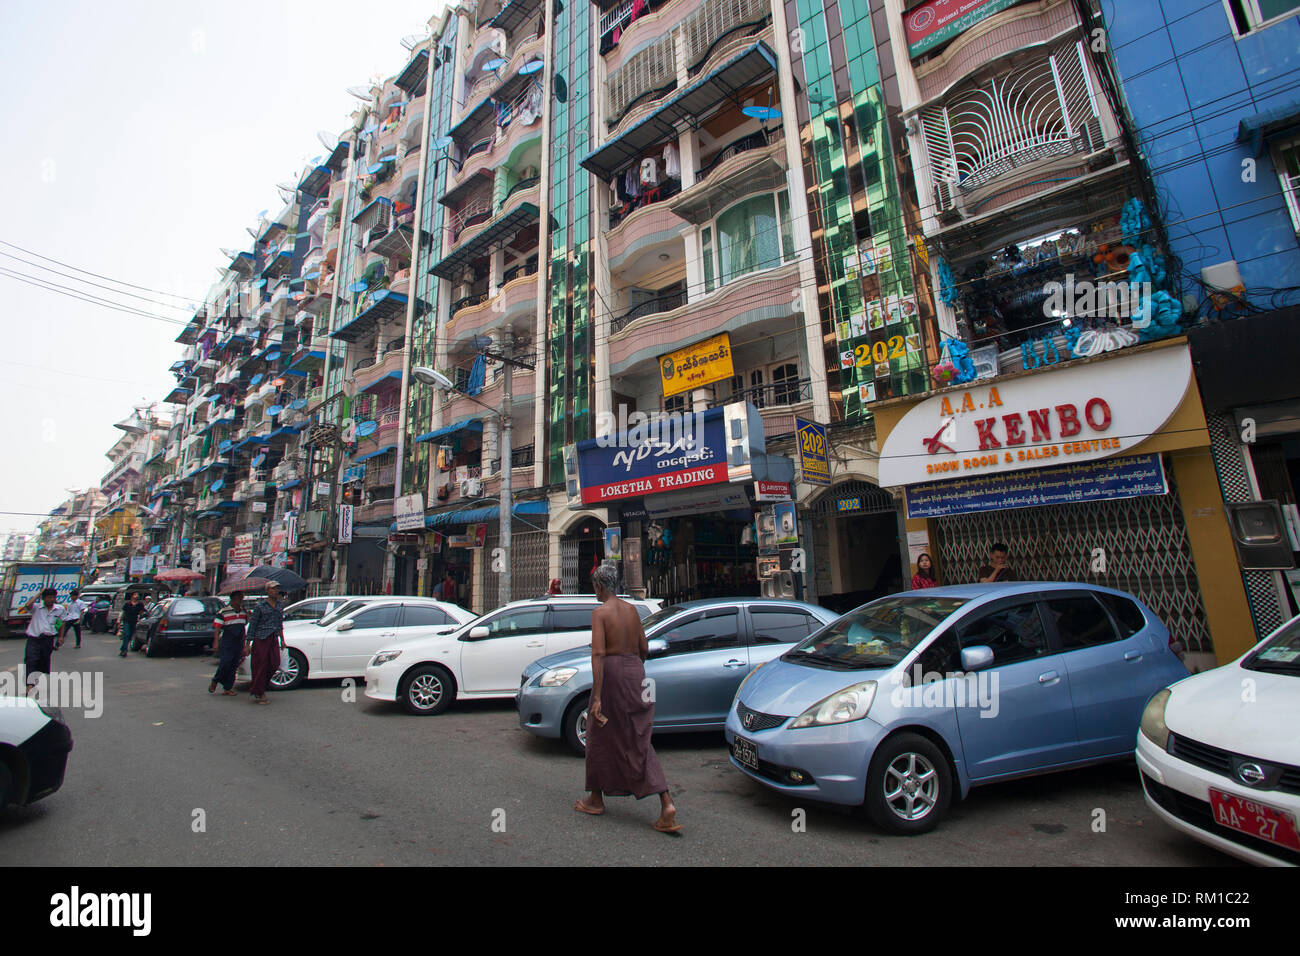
[{"x": 434, "y": 378}]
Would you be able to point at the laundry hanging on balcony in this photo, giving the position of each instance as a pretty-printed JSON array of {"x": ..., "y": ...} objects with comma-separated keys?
[{"x": 476, "y": 375}]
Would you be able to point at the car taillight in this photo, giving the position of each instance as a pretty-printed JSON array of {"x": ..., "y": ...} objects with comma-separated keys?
[{"x": 162, "y": 625}]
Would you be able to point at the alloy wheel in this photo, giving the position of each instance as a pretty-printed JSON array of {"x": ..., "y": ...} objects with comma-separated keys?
[
  {"x": 425, "y": 691},
  {"x": 911, "y": 786}
]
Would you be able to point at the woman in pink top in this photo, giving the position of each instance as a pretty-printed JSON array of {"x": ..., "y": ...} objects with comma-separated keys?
[{"x": 924, "y": 576}]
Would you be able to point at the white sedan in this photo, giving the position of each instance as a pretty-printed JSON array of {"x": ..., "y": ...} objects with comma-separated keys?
[
  {"x": 1219, "y": 753},
  {"x": 342, "y": 643}
]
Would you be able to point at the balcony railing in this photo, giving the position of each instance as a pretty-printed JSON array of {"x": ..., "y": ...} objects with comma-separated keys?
[
  {"x": 650, "y": 195},
  {"x": 521, "y": 457},
  {"x": 790, "y": 391},
  {"x": 470, "y": 301},
  {"x": 759, "y": 140},
  {"x": 660, "y": 303},
  {"x": 520, "y": 186}
]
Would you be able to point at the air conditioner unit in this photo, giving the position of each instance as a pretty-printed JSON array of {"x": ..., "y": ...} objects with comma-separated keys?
[
  {"x": 471, "y": 487},
  {"x": 529, "y": 172}
]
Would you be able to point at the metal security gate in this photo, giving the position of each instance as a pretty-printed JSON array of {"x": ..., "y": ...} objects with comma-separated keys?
[
  {"x": 528, "y": 567},
  {"x": 568, "y": 565},
  {"x": 1144, "y": 541}
]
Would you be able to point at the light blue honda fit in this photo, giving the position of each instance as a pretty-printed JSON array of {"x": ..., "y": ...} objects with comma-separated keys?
[{"x": 916, "y": 697}]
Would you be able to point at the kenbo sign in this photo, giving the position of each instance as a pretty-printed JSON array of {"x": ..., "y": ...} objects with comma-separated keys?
[{"x": 1077, "y": 414}]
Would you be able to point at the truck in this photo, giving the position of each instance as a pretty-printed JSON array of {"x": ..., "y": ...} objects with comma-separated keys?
[{"x": 24, "y": 580}]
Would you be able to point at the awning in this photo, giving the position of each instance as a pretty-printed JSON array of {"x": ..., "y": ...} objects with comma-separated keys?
[
  {"x": 472, "y": 119},
  {"x": 368, "y": 206},
  {"x": 316, "y": 181},
  {"x": 498, "y": 230},
  {"x": 308, "y": 360},
  {"x": 685, "y": 106},
  {"x": 1262, "y": 127},
  {"x": 452, "y": 197},
  {"x": 465, "y": 424},
  {"x": 513, "y": 13},
  {"x": 379, "y": 384},
  {"x": 291, "y": 483},
  {"x": 384, "y": 305},
  {"x": 278, "y": 265},
  {"x": 374, "y": 454},
  {"x": 398, "y": 240},
  {"x": 190, "y": 333},
  {"x": 475, "y": 515},
  {"x": 178, "y": 395},
  {"x": 338, "y": 156},
  {"x": 243, "y": 262},
  {"x": 413, "y": 74},
  {"x": 284, "y": 430}
]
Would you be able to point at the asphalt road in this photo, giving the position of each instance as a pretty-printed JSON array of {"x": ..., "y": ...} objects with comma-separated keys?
[{"x": 170, "y": 775}]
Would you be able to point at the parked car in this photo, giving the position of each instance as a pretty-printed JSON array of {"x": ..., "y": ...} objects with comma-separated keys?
[
  {"x": 699, "y": 652},
  {"x": 176, "y": 622},
  {"x": 149, "y": 593},
  {"x": 483, "y": 659},
  {"x": 34, "y": 745},
  {"x": 1219, "y": 753},
  {"x": 340, "y": 644},
  {"x": 313, "y": 609},
  {"x": 913, "y": 699},
  {"x": 96, "y": 617}
]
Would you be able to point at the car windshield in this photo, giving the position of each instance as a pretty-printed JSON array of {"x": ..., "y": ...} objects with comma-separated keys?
[
  {"x": 339, "y": 612},
  {"x": 306, "y": 611},
  {"x": 1279, "y": 653},
  {"x": 878, "y": 635},
  {"x": 659, "y": 616}
]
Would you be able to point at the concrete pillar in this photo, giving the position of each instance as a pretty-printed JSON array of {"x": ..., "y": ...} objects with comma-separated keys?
[{"x": 688, "y": 150}]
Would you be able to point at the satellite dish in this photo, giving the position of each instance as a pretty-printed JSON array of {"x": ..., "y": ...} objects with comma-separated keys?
[
  {"x": 531, "y": 67},
  {"x": 327, "y": 140},
  {"x": 273, "y": 356},
  {"x": 259, "y": 283},
  {"x": 366, "y": 428},
  {"x": 298, "y": 404},
  {"x": 228, "y": 253},
  {"x": 412, "y": 40},
  {"x": 261, "y": 215},
  {"x": 560, "y": 89},
  {"x": 220, "y": 482},
  {"x": 256, "y": 379},
  {"x": 358, "y": 287},
  {"x": 442, "y": 142},
  {"x": 374, "y": 168},
  {"x": 312, "y": 275},
  {"x": 370, "y": 128},
  {"x": 261, "y": 457},
  {"x": 286, "y": 193},
  {"x": 360, "y": 92},
  {"x": 275, "y": 410},
  {"x": 495, "y": 63},
  {"x": 761, "y": 112}
]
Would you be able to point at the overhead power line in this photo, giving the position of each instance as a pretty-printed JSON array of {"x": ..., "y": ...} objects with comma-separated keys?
[
  {"x": 93, "y": 300},
  {"x": 187, "y": 299}
]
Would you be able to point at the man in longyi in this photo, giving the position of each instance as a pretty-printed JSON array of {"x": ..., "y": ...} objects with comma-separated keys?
[{"x": 621, "y": 714}]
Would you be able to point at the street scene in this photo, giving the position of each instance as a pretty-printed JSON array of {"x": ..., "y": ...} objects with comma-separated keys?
[{"x": 661, "y": 432}]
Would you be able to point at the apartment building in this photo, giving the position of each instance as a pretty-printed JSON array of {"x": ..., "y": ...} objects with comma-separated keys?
[{"x": 119, "y": 526}]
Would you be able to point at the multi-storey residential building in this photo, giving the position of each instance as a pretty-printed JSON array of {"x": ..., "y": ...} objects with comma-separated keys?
[
  {"x": 68, "y": 533},
  {"x": 119, "y": 527},
  {"x": 1211, "y": 89},
  {"x": 14, "y": 545}
]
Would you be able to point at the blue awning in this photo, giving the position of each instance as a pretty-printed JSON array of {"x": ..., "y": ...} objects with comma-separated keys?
[
  {"x": 1262, "y": 127},
  {"x": 389, "y": 379},
  {"x": 465, "y": 424},
  {"x": 285, "y": 430},
  {"x": 385, "y": 304},
  {"x": 375, "y": 454},
  {"x": 292, "y": 483},
  {"x": 475, "y": 515},
  {"x": 156, "y": 549}
]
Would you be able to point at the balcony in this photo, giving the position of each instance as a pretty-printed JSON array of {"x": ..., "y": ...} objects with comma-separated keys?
[
  {"x": 379, "y": 376},
  {"x": 518, "y": 211},
  {"x": 752, "y": 163},
  {"x": 478, "y": 313},
  {"x": 665, "y": 302}
]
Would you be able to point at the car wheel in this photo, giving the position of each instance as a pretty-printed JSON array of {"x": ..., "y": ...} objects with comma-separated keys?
[
  {"x": 291, "y": 673},
  {"x": 427, "y": 690},
  {"x": 154, "y": 646},
  {"x": 575, "y": 725},
  {"x": 6, "y": 785},
  {"x": 909, "y": 785}
]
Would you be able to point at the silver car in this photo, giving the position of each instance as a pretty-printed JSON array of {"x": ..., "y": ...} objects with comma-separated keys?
[{"x": 699, "y": 652}]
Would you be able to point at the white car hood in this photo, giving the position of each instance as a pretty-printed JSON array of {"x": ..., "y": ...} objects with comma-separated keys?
[{"x": 1209, "y": 708}]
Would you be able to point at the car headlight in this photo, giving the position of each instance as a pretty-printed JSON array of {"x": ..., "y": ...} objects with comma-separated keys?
[
  {"x": 556, "y": 676},
  {"x": 746, "y": 680},
  {"x": 852, "y": 703},
  {"x": 1153, "y": 719},
  {"x": 383, "y": 657}
]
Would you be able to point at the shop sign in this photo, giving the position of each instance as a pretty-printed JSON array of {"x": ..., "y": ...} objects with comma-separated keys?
[
  {"x": 1083, "y": 413},
  {"x": 938, "y": 21},
  {"x": 213, "y": 553},
  {"x": 1067, "y": 484},
  {"x": 409, "y": 512},
  {"x": 241, "y": 552},
  {"x": 848, "y": 504},
  {"x": 460, "y": 541},
  {"x": 259, "y": 507},
  {"x": 345, "y": 524},
  {"x": 814, "y": 463},
  {"x": 697, "y": 501},
  {"x": 291, "y": 531},
  {"x": 771, "y": 491},
  {"x": 697, "y": 365},
  {"x": 613, "y": 544}
]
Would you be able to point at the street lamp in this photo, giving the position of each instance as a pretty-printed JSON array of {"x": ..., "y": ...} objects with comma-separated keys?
[{"x": 435, "y": 379}]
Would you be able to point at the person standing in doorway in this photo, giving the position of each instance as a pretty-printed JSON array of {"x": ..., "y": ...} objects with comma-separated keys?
[
  {"x": 130, "y": 616},
  {"x": 449, "y": 588},
  {"x": 621, "y": 713},
  {"x": 998, "y": 569},
  {"x": 924, "y": 576},
  {"x": 42, "y": 634},
  {"x": 555, "y": 587},
  {"x": 229, "y": 628},
  {"x": 265, "y": 641},
  {"x": 72, "y": 614}
]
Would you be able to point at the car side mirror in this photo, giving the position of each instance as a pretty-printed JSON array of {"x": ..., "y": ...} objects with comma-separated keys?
[
  {"x": 345, "y": 625},
  {"x": 976, "y": 658},
  {"x": 478, "y": 633},
  {"x": 656, "y": 647}
]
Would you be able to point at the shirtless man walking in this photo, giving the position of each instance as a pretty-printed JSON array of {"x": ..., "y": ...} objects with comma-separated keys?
[{"x": 621, "y": 714}]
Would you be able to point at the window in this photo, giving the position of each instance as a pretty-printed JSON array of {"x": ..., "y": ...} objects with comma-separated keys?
[
  {"x": 1081, "y": 622},
  {"x": 706, "y": 243},
  {"x": 781, "y": 625},
  {"x": 1014, "y": 633},
  {"x": 787, "y": 231},
  {"x": 785, "y": 384},
  {"x": 308, "y": 611},
  {"x": 710, "y": 631},
  {"x": 1128, "y": 616},
  {"x": 386, "y": 615},
  {"x": 1286, "y": 160},
  {"x": 420, "y": 615},
  {"x": 756, "y": 388},
  {"x": 185, "y": 607},
  {"x": 675, "y": 403},
  {"x": 1247, "y": 16},
  {"x": 571, "y": 617},
  {"x": 752, "y": 235},
  {"x": 942, "y": 657},
  {"x": 514, "y": 623}
]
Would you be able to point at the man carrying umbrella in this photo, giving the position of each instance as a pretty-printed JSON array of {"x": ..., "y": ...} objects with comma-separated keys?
[{"x": 265, "y": 640}]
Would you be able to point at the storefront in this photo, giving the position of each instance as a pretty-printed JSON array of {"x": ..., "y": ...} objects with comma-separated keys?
[
  {"x": 1098, "y": 470},
  {"x": 679, "y": 504}
]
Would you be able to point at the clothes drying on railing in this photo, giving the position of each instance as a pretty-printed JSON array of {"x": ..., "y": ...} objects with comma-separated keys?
[{"x": 672, "y": 162}]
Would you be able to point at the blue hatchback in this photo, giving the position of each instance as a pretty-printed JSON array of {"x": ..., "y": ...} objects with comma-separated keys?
[{"x": 908, "y": 699}]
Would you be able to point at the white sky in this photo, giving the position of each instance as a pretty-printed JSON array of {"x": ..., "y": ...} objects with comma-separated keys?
[{"x": 141, "y": 137}]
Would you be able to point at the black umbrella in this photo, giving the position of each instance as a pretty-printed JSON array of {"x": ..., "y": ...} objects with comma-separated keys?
[{"x": 288, "y": 580}]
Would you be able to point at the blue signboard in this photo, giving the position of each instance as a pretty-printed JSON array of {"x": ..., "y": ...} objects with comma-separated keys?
[
  {"x": 1065, "y": 484},
  {"x": 679, "y": 451},
  {"x": 814, "y": 458}
]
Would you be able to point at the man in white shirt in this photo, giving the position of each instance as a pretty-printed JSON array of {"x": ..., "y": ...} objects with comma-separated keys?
[
  {"x": 42, "y": 634},
  {"x": 72, "y": 614}
]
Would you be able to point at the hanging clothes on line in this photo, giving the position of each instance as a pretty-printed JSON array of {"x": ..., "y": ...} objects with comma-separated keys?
[
  {"x": 672, "y": 162},
  {"x": 649, "y": 172}
]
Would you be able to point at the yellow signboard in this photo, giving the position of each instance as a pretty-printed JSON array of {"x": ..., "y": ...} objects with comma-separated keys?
[{"x": 697, "y": 365}]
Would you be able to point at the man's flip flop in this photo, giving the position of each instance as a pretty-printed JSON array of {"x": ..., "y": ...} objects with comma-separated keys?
[
  {"x": 674, "y": 830},
  {"x": 212, "y": 687},
  {"x": 582, "y": 807},
  {"x": 228, "y": 693}
]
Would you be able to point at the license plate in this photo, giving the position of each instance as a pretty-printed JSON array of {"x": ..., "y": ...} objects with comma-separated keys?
[
  {"x": 1257, "y": 819},
  {"x": 746, "y": 752}
]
